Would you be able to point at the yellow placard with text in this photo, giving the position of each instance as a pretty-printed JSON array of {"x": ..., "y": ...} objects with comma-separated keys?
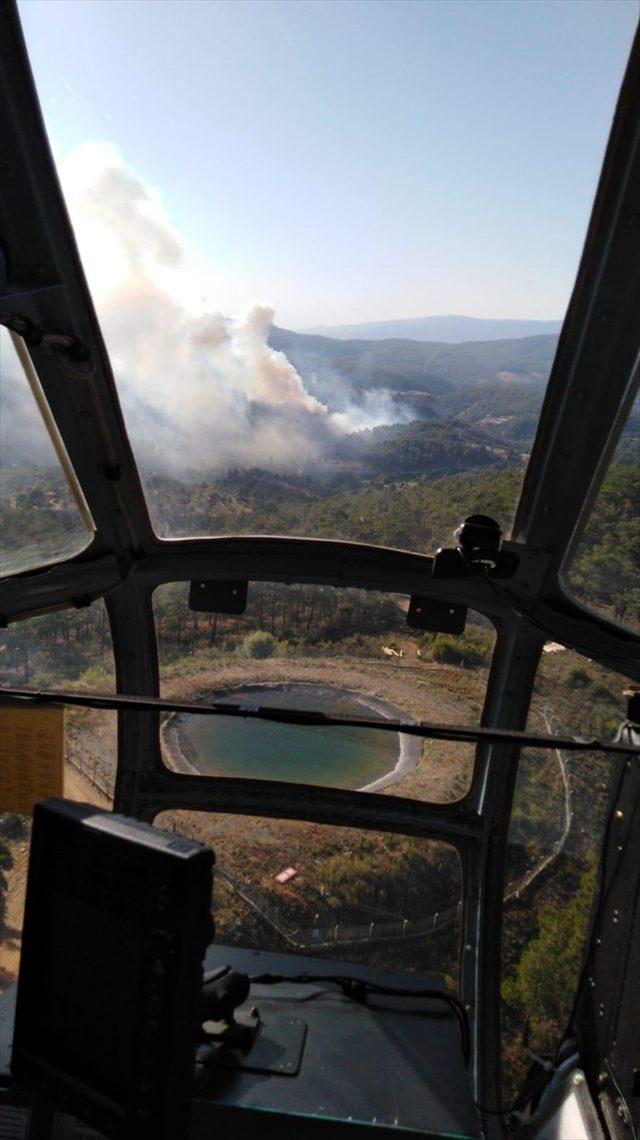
[{"x": 32, "y": 747}]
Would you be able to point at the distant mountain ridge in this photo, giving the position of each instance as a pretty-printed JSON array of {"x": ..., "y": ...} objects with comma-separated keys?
[
  {"x": 446, "y": 329},
  {"x": 329, "y": 366}
]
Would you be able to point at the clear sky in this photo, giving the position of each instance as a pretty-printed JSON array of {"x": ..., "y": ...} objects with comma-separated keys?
[{"x": 353, "y": 160}]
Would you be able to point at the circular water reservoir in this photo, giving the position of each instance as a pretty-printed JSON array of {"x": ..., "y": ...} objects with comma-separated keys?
[{"x": 253, "y": 749}]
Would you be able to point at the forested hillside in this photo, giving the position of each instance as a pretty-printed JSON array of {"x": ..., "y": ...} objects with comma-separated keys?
[
  {"x": 425, "y": 366},
  {"x": 434, "y": 447},
  {"x": 606, "y": 568},
  {"x": 418, "y": 513}
]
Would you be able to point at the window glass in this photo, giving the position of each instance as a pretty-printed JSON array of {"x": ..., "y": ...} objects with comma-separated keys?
[
  {"x": 555, "y": 837},
  {"x": 65, "y": 649},
  {"x": 343, "y": 652},
  {"x": 328, "y": 165},
  {"x": 413, "y": 512},
  {"x": 336, "y": 892},
  {"x": 70, "y": 649},
  {"x": 604, "y": 571},
  {"x": 39, "y": 518}
]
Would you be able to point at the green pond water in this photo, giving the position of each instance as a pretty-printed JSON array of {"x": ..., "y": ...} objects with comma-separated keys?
[{"x": 333, "y": 756}]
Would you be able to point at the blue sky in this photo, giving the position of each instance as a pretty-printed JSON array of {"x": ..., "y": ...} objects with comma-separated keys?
[{"x": 350, "y": 161}]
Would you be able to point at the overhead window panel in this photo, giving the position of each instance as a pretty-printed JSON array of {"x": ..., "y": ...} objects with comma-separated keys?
[{"x": 43, "y": 515}]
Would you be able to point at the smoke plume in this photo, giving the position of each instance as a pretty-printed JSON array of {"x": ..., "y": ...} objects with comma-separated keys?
[{"x": 199, "y": 389}]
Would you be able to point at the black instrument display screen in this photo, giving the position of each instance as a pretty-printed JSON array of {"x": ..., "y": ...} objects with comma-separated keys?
[{"x": 117, "y": 919}]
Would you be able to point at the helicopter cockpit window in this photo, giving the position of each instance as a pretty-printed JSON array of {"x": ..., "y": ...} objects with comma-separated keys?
[
  {"x": 558, "y": 824},
  {"x": 284, "y": 415},
  {"x": 43, "y": 516},
  {"x": 333, "y": 892},
  {"x": 604, "y": 568},
  {"x": 341, "y": 652},
  {"x": 69, "y": 650}
]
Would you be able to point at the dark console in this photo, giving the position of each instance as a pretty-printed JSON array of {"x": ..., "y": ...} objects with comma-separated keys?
[{"x": 117, "y": 920}]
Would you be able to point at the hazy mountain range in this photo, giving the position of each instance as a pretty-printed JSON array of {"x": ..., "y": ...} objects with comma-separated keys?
[
  {"x": 397, "y": 365},
  {"x": 448, "y": 330}
]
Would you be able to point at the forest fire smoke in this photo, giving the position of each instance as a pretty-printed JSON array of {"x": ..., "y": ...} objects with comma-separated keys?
[{"x": 196, "y": 387}]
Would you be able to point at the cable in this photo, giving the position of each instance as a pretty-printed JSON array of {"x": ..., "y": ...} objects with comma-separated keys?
[
  {"x": 310, "y": 718},
  {"x": 523, "y": 1097},
  {"x": 359, "y": 989}
]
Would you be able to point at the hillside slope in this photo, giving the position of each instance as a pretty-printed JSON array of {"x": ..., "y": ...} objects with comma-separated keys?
[{"x": 401, "y": 365}]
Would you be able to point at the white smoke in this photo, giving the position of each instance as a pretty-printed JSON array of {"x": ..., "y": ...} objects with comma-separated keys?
[{"x": 198, "y": 388}]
